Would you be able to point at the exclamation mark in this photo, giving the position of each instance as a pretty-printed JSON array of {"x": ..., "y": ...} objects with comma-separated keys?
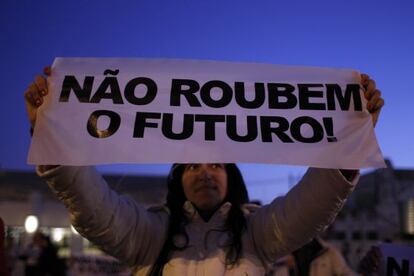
[{"x": 328, "y": 123}]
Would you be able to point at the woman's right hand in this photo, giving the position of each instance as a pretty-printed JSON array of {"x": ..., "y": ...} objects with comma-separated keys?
[{"x": 35, "y": 93}]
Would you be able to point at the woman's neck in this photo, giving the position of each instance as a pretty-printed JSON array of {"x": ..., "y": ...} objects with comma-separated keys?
[{"x": 206, "y": 214}]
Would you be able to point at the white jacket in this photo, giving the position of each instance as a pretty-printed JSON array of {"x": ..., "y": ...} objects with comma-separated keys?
[{"x": 135, "y": 235}]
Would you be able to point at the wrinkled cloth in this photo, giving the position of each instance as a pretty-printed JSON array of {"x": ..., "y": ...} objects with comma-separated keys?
[{"x": 135, "y": 235}]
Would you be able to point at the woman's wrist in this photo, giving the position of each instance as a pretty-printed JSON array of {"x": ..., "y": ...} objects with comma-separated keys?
[{"x": 349, "y": 174}]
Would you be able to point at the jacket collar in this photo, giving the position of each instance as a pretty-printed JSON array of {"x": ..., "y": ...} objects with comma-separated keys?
[{"x": 219, "y": 216}]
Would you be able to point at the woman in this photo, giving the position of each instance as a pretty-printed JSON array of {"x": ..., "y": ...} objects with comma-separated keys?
[{"x": 206, "y": 226}]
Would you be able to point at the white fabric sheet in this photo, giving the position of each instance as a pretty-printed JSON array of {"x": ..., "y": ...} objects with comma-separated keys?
[{"x": 286, "y": 107}]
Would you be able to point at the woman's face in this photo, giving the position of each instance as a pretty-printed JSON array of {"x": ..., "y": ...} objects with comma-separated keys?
[{"x": 205, "y": 185}]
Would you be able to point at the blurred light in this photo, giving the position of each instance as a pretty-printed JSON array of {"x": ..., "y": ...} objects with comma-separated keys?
[
  {"x": 30, "y": 224},
  {"x": 410, "y": 216},
  {"x": 407, "y": 216},
  {"x": 73, "y": 230},
  {"x": 57, "y": 234}
]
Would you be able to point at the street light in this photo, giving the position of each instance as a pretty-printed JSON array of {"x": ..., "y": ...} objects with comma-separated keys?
[
  {"x": 31, "y": 223},
  {"x": 57, "y": 234}
]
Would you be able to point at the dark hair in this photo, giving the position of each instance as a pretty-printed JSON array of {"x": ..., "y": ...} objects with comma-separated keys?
[{"x": 236, "y": 222}]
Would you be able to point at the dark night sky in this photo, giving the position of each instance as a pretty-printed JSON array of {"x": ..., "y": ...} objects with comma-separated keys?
[{"x": 375, "y": 37}]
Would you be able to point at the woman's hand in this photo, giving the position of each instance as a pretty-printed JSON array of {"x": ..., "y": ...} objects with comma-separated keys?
[
  {"x": 35, "y": 93},
  {"x": 373, "y": 96}
]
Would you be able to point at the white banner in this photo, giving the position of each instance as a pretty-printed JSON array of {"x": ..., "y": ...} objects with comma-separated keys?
[{"x": 109, "y": 110}]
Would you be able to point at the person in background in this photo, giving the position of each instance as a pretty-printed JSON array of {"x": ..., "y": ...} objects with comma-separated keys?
[
  {"x": 41, "y": 257},
  {"x": 4, "y": 267},
  {"x": 48, "y": 262},
  {"x": 320, "y": 258},
  {"x": 370, "y": 264},
  {"x": 30, "y": 256},
  {"x": 316, "y": 258}
]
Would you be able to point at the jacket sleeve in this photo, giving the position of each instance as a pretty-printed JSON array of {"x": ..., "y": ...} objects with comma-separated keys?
[
  {"x": 117, "y": 224},
  {"x": 290, "y": 221}
]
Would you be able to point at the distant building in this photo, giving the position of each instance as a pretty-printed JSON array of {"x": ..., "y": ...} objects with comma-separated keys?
[{"x": 380, "y": 209}]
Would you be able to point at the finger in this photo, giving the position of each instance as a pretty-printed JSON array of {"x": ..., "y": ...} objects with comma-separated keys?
[
  {"x": 373, "y": 99},
  {"x": 32, "y": 100},
  {"x": 33, "y": 96},
  {"x": 41, "y": 85},
  {"x": 377, "y": 105},
  {"x": 47, "y": 70},
  {"x": 29, "y": 98},
  {"x": 371, "y": 90},
  {"x": 371, "y": 85},
  {"x": 364, "y": 79}
]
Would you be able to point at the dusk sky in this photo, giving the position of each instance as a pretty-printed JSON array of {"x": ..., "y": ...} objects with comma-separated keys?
[{"x": 374, "y": 37}]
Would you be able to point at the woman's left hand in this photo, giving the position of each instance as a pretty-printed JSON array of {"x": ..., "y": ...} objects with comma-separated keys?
[{"x": 373, "y": 96}]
